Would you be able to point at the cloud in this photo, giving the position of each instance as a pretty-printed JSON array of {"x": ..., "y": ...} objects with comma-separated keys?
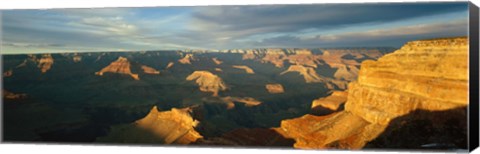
[
  {"x": 240, "y": 21},
  {"x": 26, "y": 45},
  {"x": 395, "y": 36},
  {"x": 226, "y": 27}
]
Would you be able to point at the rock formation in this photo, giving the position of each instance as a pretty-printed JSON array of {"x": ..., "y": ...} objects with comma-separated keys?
[
  {"x": 10, "y": 95},
  {"x": 8, "y": 73},
  {"x": 149, "y": 70},
  {"x": 120, "y": 66},
  {"x": 274, "y": 56},
  {"x": 250, "y": 54},
  {"x": 330, "y": 103},
  {"x": 230, "y": 101},
  {"x": 208, "y": 82},
  {"x": 168, "y": 127},
  {"x": 274, "y": 88},
  {"x": 347, "y": 61},
  {"x": 303, "y": 57},
  {"x": 23, "y": 64},
  {"x": 187, "y": 59},
  {"x": 428, "y": 75},
  {"x": 308, "y": 73},
  {"x": 77, "y": 58},
  {"x": 170, "y": 64},
  {"x": 335, "y": 58},
  {"x": 346, "y": 72},
  {"x": 311, "y": 76},
  {"x": 45, "y": 63},
  {"x": 247, "y": 69},
  {"x": 425, "y": 74},
  {"x": 216, "y": 61}
]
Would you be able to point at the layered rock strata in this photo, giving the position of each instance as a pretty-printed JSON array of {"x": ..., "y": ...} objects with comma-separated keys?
[
  {"x": 169, "y": 65},
  {"x": 167, "y": 127},
  {"x": 208, "y": 82},
  {"x": 230, "y": 101},
  {"x": 430, "y": 75},
  {"x": 149, "y": 70},
  {"x": 247, "y": 69},
  {"x": 45, "y": 62},
  {"x": 330, "y": 103},
  {"x": 216, "y": 61},
  {"x": 274, "y": 88},
  {"x": 187, "y": 59},
  {"x": 10, "y": 95},
  {"x": 120, "y": 66},
  {"x": 77, "y": 58}
]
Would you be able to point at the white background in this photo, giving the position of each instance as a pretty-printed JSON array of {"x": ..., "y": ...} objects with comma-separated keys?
[{"x": 88, "y": 149}]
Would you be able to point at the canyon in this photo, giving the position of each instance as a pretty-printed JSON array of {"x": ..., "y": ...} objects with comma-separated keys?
[
  {"x": 342, "y": 98},
  {"x": 426, "y": 75}
]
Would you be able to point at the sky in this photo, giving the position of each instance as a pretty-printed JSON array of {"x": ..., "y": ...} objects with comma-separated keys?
[{"x": 229, "y": 27}]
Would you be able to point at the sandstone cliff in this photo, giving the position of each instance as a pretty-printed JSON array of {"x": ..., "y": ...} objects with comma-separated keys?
[
  {"x": 208, "y": 82},
  {"x": 187, "y": 59},
  {"x": 330, "y": 103},
  {"x": 303, "y": 57},
  {"x": 311, "y": 76},
  {"x": 274, "y": 88},
  {"x": 10, "y": 95},
  {"x": 249, "y": 54},
  {"x": 429, "y": 75},
  {"x": 247, "y": 69},
  {"x": 167, "y": 127},
  {"x": 149, "y": 70},
  {"x": 230, "y": 101},
  {"x": 346, "y": 72},
  {"x": 170, "y": 64},
  {"x": 308, "y": 73},
  {"x": 333, "y": 57},
  {"x": 216, "y": 61},
  {"x": 274, "y": 56},
  {"x": 45, "y": 63},
  {"x": 77, "y": 58},
  {"x": 120, "y": 66}
]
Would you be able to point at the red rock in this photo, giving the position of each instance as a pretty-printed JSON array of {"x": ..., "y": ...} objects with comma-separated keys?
[
  {"x": 274, "y": 88},
  {"x": 120, "y": 66},
  {"x": 208, "y": 82}
]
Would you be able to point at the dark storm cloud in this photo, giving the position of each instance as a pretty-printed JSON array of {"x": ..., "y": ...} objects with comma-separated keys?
[
  {"x": 388, "y": 37},
  {"x": 282, "y": 18}
]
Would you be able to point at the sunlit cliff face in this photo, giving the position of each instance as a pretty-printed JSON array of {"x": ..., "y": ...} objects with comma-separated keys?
[
  {"x": 121, "y": 66},
  {"x": 45, "y": 63},
  {"x": 149, "y": 70},
  {"x": 429, "y": 75},
  {"x": 208, "y": 82}
]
